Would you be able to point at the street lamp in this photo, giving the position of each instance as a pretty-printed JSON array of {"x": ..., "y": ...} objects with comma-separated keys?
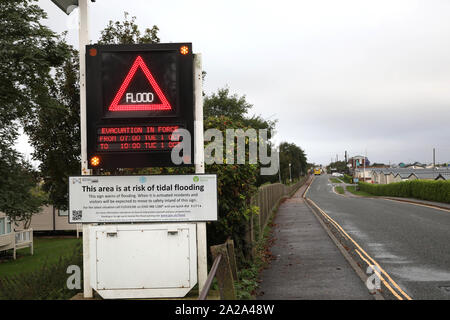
[
  {"x": 67, "y": 5},
  {"x": 290, "y": 175}
]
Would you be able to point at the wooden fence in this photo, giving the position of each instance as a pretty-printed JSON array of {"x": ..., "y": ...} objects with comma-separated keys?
[
  {"x": 267, "y": 200},
  {"x": 224, "y": 269}
]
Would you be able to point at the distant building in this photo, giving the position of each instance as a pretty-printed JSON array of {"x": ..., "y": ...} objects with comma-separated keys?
[
  {"x": 363, "y": 175},
  {"x": 358, "y": 161},
  {"x": 50, "y": 219},
  {"x": 389, "y": 175}
]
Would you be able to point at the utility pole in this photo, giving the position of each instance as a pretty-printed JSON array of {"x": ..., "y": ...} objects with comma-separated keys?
[
  {"x": 434, "y": 158},
  {"x": 364, "y": 168}
]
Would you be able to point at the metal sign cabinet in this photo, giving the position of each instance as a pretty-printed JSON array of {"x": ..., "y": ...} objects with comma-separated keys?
[{"x": 162, "y": 262}]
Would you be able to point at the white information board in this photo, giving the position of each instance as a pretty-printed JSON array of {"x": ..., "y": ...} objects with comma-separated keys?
[{"x": 113, "y": 199}]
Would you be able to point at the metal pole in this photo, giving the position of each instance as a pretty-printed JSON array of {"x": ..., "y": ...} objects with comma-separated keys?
[
  {"x": 83, "y": 40},
  {"x": 290, "y": 175},
  {"x": 434, "y": 158},
  {"x": 364, "y": 168},
  {"x": 199, "y": 161},
  {"x": 279, "y": 168}
]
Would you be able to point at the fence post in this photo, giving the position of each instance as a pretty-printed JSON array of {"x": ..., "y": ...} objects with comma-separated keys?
[
  {"x": 249, "y": 234},
  {"x": 232, "y": 257},
  {"x": 224, "y": 274},
  {"x": 261, "y": 213}
]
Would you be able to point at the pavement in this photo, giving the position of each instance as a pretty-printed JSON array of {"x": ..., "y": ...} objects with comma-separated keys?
[
  {"x": 308, "y": 265},
  {"x": 409, "y": 241}
]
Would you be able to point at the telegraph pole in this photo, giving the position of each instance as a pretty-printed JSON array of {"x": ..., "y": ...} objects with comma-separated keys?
[{"x": 434, "y": 158}]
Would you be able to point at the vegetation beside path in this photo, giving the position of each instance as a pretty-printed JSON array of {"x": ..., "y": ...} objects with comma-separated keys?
[{"x": 430, "y": 190}]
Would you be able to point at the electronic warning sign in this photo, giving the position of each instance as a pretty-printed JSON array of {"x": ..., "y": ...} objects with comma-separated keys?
[{"x": 138, "y": 96}]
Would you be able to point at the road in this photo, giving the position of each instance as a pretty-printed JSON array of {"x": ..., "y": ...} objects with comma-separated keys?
[{"x": 411, "y": 243}]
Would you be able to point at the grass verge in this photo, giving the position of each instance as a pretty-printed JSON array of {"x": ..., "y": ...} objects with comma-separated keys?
[
  {"x": 334, "y": 180},
  {"x": 353, "y": 190},
  {"x": 42, "y": 276},
  {"x": 339, "y": 190},
  {"x": 45, "y": 251}
]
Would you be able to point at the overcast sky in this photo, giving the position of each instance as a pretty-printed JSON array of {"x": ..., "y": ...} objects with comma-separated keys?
[{"x": 362, "y": 76}]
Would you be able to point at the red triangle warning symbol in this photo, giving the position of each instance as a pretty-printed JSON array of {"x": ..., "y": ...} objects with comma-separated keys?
[{"x": 162, "y": 105}]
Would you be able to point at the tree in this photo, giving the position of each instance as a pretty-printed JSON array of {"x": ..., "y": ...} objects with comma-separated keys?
[
  {"x": 236, "y": 184},
  {"x": 340, "y": 166},
  {"x": 54, "y": 131},
  {"x": 293, "y": 154},
  {"x": 28, "y": 53},
  {"x": 234, "y": 107},
  {"x": 224, "y": 104},
  {"x": 54, "y": 127},
  {"x": 20, "y": 196},
  {"x": 127, "y": 32}
]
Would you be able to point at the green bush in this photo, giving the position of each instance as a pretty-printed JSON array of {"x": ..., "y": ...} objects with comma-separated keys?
[
  {"x": 235, "y": 186},
  {"x": 49, "y": 282},
  {"x": 431, "y": 190}
]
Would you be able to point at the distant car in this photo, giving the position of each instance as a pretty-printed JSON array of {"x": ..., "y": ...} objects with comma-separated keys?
[{"x": 337, "y": 174}]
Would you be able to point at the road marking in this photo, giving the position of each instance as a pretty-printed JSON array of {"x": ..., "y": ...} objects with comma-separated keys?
[
  {"x": 417, "y": 204},
  {"x": 381, "y": 277},
  {"x": 365, "y": 253},
  {"x": 339, "y": 194},
  {"x": 331, "y": 220}
]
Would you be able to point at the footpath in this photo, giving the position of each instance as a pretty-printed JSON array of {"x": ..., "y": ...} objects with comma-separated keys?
[{"x": 308, "y": 265}]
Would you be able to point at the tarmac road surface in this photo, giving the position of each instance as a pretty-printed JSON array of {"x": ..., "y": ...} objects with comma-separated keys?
[{"x": 410, "y": 242}]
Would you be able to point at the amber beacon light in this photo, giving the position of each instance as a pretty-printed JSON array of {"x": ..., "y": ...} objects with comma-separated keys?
[
  {"x": 95, "y": 161},
  {"x": 184, "y": 50}
]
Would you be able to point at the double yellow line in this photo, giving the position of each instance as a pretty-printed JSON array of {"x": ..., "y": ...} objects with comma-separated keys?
[{"x": 386, "y": 279}]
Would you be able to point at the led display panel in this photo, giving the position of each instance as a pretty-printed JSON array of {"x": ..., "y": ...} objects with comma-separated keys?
[{"x": 137, "y": 97}]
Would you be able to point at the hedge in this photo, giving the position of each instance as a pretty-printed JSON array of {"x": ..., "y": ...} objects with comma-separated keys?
[{"x": 431, "y": 190}]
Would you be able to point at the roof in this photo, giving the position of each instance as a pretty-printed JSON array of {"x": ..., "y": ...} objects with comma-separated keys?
[{"x": 419, "y": 173}]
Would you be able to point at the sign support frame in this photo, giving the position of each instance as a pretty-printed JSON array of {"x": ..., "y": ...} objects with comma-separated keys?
[
  {"x": 199, "y": 161},
  {"x": 83, "y": 40}
]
